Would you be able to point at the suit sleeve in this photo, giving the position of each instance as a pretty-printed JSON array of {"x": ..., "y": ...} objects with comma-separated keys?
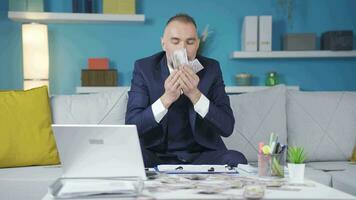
[
  {"x": 220, "y": 115},
  {"x": 139, "y": 111}
]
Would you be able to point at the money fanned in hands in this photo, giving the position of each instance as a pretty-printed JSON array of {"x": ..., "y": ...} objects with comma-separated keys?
[
  {"x": 179, "y": 58},
  {"x": 196, "y": 65}
]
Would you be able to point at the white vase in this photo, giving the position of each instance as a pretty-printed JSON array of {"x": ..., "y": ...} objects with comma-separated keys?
[{"x": 296, "y": 172}]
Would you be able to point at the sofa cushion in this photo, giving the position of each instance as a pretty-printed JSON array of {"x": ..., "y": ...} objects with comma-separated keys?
[
  {"x": 323, "y": 123},
  {"x": 101, "y": 108},
  {"x": 353, "y": 156},
  {"x": 342, "y": 174},
  {"x": 345, "y": 180},
  {"x": 318, "y": 176},
  {"x": 30, "y": 183},
  {"x": 257, "y": 114},
  {"x": 26, "y": 136},
  {"x": 330, "y": 166}
]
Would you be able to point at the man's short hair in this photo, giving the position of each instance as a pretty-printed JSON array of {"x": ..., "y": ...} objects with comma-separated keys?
[{"x": 182, "y": 17}]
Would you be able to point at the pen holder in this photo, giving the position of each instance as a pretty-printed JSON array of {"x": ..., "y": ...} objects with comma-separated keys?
[{"x": 271, "y": 164}]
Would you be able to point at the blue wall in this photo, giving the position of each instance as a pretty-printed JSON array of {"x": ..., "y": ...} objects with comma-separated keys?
[{"x": 72, "y": 44}]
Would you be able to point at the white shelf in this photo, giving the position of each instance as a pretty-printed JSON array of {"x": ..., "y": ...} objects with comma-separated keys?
[
  {"x": 88, "y": 90},
  {"x": 244, "y": 89},
  {"x": 293, "y": 54},
  {"x": 51, "y": 17},
  {"x": 228, "y": 89}
]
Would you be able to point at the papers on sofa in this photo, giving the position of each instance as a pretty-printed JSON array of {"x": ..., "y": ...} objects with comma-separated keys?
[
  {"x": 195, "y": 169},
  {"x": 179, "y": 58}
]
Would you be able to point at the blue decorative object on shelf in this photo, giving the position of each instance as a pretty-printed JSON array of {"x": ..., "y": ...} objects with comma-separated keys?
[
  {"x": 77, "y": 6},
  {"x": 97, "y": 6},
  {"x": 86, "y": 6}
]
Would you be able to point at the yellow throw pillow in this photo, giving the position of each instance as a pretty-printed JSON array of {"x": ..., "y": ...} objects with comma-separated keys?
[
  {"x": 353, "y": 157},
  {"x": 26, "y": 136}
]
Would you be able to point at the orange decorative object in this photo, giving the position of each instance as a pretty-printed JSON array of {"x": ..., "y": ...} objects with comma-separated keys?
[{"x": 98, "y": 63}]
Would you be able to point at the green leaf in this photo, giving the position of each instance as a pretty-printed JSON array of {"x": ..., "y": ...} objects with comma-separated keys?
[{"x": 296, "y": 155}]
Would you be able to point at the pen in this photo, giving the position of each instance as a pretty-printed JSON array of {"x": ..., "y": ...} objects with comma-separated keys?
[
  {"x": 277, "y": 147},
  {"x": 283, "y": 148},
  {"x": 273, "y": 147},
  {"x": 271, "y": 138}
]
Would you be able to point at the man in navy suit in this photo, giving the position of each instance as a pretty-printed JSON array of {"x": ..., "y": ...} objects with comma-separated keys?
[{"x": 181, "y": 115}]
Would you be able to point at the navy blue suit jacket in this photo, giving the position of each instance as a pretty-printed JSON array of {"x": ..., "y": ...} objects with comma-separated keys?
[{"x": 147, "y": 86}]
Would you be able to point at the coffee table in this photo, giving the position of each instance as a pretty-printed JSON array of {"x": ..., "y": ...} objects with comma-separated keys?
[{"x": 219, "y": 186}]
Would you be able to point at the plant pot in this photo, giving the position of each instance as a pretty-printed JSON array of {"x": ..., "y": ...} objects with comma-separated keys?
[{"x": 296, "y": 172}]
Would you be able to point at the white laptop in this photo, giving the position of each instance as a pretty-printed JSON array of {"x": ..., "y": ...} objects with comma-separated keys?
[{"x": 92, "y": 151}]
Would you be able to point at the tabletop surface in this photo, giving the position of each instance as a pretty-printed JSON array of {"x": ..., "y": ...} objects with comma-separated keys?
[{"x": 231, "y": 186}]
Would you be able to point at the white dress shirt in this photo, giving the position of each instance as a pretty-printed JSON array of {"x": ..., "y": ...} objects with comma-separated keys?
[{"x": 201, "y": 106}]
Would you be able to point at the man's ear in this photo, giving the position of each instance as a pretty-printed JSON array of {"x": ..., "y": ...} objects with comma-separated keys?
[{"x": 162, "y": 44}]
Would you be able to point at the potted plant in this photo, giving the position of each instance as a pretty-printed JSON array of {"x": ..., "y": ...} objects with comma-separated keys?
[
  {"x": 296, "y": 163},
  {"x": 288, "y": 9},
  {"x": 203, "y": 46}
]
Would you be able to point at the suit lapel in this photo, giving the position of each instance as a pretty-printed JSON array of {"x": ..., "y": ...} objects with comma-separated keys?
[
  {"x": 160, "y": 75},
  {"x": 203, "y": 88},
  {"x": 164, "y": 69},
  {"x": 192, "y": 117}
]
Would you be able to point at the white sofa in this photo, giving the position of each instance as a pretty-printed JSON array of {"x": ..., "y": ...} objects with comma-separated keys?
[{"x": 323, "y": 122}]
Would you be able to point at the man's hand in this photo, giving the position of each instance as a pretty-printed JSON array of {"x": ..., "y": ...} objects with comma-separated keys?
[
  {"x": 188, "y": 81},
  {"x": 172, "y": 89}
]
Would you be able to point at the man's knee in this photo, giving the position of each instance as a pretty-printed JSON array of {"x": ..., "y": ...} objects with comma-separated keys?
[
  {"x": 233, "y": 158},
  {"x": 149, "y": 158}
]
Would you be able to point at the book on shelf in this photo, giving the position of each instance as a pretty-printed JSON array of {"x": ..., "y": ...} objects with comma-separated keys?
[
  {"x": 119, "y": 6},
  {"x": 26, "y": 5},
  {"x": 58, "y": 6},
  {"x": 86, "y": 6},
  {"x": 249, "y": 35},
  {"x": 265, "y": 33}
]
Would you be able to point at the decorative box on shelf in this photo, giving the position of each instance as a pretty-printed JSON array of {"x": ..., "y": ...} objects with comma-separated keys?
[{"x": 99, "y": 77}]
